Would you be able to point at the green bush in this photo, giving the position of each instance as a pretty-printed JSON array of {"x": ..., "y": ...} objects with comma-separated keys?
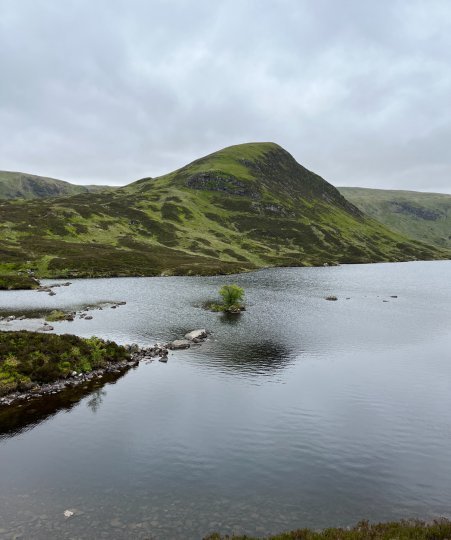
[{"x": 232, "y": 297}]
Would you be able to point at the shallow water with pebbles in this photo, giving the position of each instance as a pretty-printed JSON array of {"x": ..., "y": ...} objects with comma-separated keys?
[{"x": 298, "y": 412}]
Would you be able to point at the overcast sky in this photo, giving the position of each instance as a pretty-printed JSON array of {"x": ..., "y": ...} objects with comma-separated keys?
[{"x": 109, "y": 91}]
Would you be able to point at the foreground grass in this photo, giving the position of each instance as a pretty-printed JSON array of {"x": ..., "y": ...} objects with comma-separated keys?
[
  {"x": 30, "y": 358},
  {"x": 396, "y": 530}
]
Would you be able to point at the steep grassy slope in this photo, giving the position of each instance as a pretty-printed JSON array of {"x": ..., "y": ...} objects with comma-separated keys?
[
  {"x": 423, "y": 216},
  {"x": 243, "y": 207},
  {"x": 17, "y": 185}
]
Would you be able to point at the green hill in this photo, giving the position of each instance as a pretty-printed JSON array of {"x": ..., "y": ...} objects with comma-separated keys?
[
  {"x": 17, "y": 185},
  {"x": 423, "y": 216},
  {"x": 247, "y": 206}
]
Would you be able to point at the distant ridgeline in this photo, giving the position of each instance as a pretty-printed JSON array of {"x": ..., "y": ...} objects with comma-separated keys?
[
  {"x": 423, "y": 216},
  {"x": 244, "y": 207},
  {"x": 16, "y": 185}
]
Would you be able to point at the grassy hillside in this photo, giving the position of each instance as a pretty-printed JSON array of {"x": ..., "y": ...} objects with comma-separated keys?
[
  {"x": 423, "y": 216},
  {"x": 17, "y": 185},
  {"x": 244, "y": 207}
]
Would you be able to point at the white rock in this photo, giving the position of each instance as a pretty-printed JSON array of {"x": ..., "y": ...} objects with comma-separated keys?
[{"x": 196, "y": 334}]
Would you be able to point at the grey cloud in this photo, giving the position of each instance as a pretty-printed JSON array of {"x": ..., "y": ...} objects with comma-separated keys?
[{"x": 110, "y": 91}]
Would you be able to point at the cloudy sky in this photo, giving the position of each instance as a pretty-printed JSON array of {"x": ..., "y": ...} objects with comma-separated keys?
[{"x": 109, "y": 91}]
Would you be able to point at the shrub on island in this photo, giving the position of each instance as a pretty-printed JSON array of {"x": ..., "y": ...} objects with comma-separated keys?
[{"x": 232, "y": 300}]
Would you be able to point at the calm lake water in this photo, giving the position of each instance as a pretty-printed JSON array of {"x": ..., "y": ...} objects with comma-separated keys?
[{"x": 299, "y": 412}]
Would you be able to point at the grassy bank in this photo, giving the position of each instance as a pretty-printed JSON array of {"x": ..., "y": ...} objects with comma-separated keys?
[
  {"x": 13, "y": 282},
  {"x": 397, "y": 530},
  {"x": 30, "y": 358}
]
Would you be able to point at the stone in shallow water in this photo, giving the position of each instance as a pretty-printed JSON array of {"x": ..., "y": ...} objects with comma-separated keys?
[
  {"x": 196, "y": 334},
  {"x": 45, "y": 328},
  {"x": 179, "y": 344}
]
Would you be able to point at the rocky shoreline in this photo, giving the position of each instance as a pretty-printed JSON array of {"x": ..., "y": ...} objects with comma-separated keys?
[{"x": 137, "y": 354}]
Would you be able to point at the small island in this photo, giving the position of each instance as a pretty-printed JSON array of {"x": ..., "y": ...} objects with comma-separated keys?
[{"x": 232, "y": 300}]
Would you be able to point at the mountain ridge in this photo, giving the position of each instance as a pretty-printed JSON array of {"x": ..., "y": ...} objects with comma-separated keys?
[
  {"x": 243, "y": 207},
  {"x": 19, "y": 185},
  {"x": 420, "y": 215}
]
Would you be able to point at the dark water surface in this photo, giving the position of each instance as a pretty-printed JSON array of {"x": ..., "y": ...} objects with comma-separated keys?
[{"x": 299, "y": 412}]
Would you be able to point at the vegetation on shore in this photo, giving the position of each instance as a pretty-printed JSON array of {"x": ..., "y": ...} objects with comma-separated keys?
[
  {"x": 396, "y": 530},
  {"x": 30, "y": 358},
  {"x": 245, "y": 207},
  {"x": 12, "y": 282},
  {"x": 58, "y": 315},
  {"x": 423, "y": 216}
]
